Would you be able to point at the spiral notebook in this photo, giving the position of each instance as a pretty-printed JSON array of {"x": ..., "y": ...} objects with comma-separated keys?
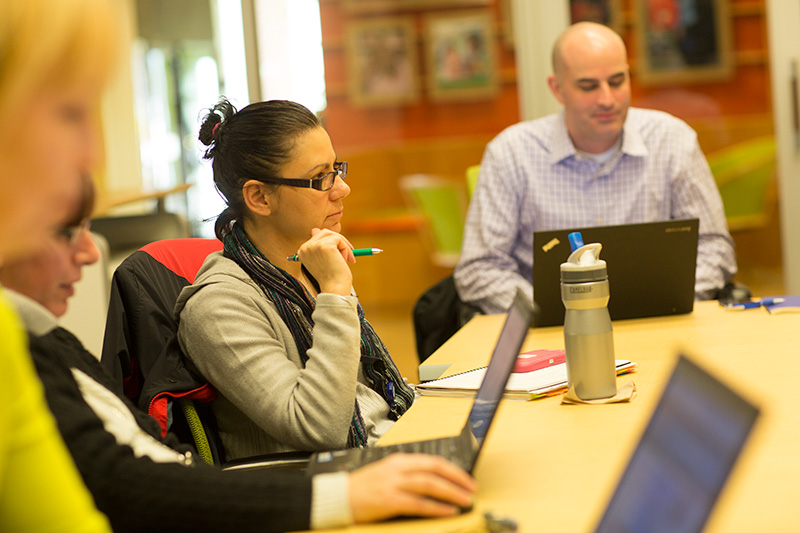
[{"x": 537, "y": 374}]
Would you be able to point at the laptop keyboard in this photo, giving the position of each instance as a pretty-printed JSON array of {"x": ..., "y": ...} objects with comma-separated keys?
[{"x": 450, "y": 448}]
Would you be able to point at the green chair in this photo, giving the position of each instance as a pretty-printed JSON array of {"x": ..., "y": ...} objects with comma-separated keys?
[
  {"x": 744, "y": 174},
  {"x": 472, "y": 178},
  {"x": 443, "y": 206}
]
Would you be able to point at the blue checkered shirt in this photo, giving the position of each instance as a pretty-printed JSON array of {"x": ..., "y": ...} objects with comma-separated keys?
[{"x": 533, "y": 179}]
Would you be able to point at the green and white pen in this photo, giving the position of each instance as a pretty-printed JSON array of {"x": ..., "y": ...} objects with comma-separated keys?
[{"x": 358, "y": 252}]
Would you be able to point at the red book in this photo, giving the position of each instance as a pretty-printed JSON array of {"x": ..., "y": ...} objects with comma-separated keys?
[{"x": 538, "y": 359}]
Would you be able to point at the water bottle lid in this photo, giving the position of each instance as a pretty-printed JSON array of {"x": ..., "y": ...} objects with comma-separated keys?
[
  {"x": 575, "y": 240},
  {"x": 584, "y": 265}
]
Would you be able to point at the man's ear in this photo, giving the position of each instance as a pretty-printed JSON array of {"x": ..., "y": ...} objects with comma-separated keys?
[
  {"x": 256, "y": 197},
  {"x": 555, "y": 88}
]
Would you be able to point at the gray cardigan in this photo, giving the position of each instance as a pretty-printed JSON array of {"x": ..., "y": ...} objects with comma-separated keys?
[{"x": 267, "y": 401}]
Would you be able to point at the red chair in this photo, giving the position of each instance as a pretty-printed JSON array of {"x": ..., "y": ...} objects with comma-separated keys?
[{"x": 140, "y": 347}]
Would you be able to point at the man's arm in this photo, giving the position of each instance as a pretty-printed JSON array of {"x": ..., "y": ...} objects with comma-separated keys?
[
  {"x": 695, "y": 194},
  {"x": 138, "y": 494},
  {"x": 488, "y": 273}
]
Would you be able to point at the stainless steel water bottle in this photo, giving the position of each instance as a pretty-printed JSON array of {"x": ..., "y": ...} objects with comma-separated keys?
[{"x": 588, "y": 336}]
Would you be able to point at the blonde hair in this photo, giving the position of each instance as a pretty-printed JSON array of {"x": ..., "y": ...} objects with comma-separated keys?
[{"x": 54, "y": 44}]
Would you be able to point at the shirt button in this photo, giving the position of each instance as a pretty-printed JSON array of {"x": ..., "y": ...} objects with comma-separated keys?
[{"x": 599, "y": 221}]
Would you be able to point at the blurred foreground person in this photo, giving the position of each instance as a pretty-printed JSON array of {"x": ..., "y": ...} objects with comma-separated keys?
[{"x": 55, "y": 57}]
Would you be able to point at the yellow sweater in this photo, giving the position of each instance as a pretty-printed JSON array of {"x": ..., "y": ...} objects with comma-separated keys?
[{"x": 40, "y": 489}]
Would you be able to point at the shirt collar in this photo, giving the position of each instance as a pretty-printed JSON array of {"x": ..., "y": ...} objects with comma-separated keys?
[
  {"x": 632, "y": 140},
  {"x": 562, "y": 147},
  {"x": 35, "y": 317}
]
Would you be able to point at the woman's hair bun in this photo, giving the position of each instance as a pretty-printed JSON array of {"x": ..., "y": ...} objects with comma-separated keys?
[
  {"x": 212, "y": 122},
  {"x": 209, "y": 128}
]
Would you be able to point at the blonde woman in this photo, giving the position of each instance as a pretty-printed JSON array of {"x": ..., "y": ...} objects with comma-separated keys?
[{"x": 55, "y": 56}]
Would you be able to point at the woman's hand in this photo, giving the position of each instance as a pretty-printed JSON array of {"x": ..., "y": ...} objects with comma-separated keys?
[
  {"x": 410, "y": 485},
  {"x": 325, "y": 255}
]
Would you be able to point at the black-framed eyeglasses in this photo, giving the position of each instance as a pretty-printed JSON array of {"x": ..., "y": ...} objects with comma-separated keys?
[
  {"x": 71, "y": 234},
  {"x": 320, "y": 183}
]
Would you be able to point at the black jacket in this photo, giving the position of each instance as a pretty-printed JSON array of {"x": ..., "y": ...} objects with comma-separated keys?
[
  {"x": 140, "y": 495},
  {"x": 140, "y": 348}
]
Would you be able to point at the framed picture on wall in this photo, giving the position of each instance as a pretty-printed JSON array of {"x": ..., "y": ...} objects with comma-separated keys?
[
  {"x": 388, "y": 6},
  {"x": 460, "y": 55},
  {"x": 683, "y": 41},
  {"x": 608, "y": 12},
  {"x": 382, "y": 61}
]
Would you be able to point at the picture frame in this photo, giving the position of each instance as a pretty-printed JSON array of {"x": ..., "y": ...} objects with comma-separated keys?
[
  {"x": 675, "y": 48},
  {"x": 382, "y": 61},
  {"x": 608, "y": 12},
  {"x": 461, "y": 55},
  {"x": 389, "y": 6}
]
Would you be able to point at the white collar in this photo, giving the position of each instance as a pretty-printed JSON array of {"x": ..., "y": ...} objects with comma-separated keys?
[{"x": 35, "y": 317}]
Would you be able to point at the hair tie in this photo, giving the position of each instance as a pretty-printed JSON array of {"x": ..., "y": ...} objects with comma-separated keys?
[{"x": 214, "y": 129}]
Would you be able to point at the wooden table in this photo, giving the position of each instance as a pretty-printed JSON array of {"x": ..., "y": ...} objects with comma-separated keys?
[{"x": 553, "y": 467}]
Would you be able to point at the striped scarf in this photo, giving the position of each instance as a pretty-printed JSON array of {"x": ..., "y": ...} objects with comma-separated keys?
[{"x": 296, "y": 305}]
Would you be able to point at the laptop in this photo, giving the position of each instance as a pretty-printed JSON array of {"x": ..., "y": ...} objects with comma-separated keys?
[
  {"x": 463, "y": 449},
  {"x": 684, "y": 456},
  {"x": 651, "y": 268}
]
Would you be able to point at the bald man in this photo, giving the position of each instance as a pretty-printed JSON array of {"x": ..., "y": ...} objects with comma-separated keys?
[{"x": 597, "y": 162}]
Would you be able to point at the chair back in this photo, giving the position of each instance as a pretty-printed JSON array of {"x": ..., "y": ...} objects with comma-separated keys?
[
  {"x": 140, "y": 346},
  {"x": 744, "y": 173},
  {"x": 472, "y": 178},
  {"x": 442, "y": 203},
  {"x": 437, "y": 315}
]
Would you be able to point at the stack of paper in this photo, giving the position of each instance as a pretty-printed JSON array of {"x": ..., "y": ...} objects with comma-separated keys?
[{"x": 544, "y": 373}]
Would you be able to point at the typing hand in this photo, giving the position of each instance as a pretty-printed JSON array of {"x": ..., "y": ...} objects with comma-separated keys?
[{"x": 409, "y": 485}]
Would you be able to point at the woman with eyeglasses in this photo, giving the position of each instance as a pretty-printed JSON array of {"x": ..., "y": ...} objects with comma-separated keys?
[
  {"x": 285, "y": 343},
  {"x": 145, "y": 481}
]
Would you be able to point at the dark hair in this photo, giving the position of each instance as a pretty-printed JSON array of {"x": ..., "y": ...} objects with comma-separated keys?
[{"x": 256, "y": 141}]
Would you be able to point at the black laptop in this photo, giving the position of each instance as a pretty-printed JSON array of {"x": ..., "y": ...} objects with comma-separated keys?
[
  {"x": 684, "y": 456},
  {"x": 651, "y": 268},
  {"x": 464, "y": 448}
]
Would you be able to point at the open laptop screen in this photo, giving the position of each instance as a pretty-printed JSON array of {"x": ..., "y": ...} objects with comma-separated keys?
[
  {"x": 509, "y": 345},
  {"x": 651, "y": 268},
  {"x": 684, "y": 457}
]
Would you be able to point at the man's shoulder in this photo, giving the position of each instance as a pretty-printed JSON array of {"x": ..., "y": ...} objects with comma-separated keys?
[
  {"x": 536, "y": 130},
  {"x": 656, "y": 128},
  {"x": 655, "y": 119}
]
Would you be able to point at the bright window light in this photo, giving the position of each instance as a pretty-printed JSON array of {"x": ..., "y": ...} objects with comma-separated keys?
[{"x": 290, "y": 52}]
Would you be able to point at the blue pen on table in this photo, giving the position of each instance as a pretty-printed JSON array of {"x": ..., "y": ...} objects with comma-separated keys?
[
  {"x": 358, "y": 252},
  {"x": 753, "y": 305}
]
